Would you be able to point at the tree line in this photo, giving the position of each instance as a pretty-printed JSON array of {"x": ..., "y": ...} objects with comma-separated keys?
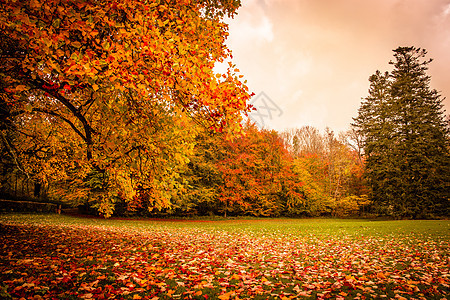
[{"x": 116, "y": 106}]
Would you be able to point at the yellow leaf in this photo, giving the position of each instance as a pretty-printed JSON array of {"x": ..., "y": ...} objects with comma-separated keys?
[
  {"x": 95, "y": 87},
  {"x": 225, "y": 296},
  {"x": 136, "y": 296},
  {"x": 106, "y": 45},
  {"x": 21, "y": 88},
  {"x": 236, "y": 276},
  {"x": 143, "y": 282}
]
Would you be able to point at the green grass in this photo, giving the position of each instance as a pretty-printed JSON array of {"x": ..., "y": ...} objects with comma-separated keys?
[
  {"x": 70, "y": 257},
  {"x": 439, "y": 229}
]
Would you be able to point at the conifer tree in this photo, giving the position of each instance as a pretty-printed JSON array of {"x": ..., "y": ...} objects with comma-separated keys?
[{"x": 406, "y": 139}]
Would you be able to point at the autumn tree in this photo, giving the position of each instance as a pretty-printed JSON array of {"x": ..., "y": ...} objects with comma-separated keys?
[
  {"x": 256, "y": 175},
  {"x": 202, "y": 177},
  {"x": 103, "y": 95},
  {"x": 311, "y": 169},
  {"x": 330, "y": 170},
  {"x": 304, "y": 140},
  {"x": 406, "y": 139}
]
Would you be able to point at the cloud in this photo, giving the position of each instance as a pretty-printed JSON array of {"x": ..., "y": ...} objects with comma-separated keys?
[
  {"x": 327, "y": 49},
  {"x": 446, "y": 10},
  {"x": 252, "y": 26}
]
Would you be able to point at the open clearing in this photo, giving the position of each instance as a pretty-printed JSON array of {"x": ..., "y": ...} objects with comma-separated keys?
[{"x": 66, "y": 257}]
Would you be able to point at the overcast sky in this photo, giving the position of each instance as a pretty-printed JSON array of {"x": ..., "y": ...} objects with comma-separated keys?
[{"x": 313, "y": 58}]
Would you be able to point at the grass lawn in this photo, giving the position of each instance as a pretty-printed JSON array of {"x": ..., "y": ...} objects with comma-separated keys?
[{"x": 66, "y": 257}]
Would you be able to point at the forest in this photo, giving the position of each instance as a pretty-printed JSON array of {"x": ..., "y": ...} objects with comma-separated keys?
[{"x": 115, "y": 107}]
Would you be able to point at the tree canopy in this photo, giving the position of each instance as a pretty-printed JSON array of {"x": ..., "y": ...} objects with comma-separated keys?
[{"x": 104, "y": 98}]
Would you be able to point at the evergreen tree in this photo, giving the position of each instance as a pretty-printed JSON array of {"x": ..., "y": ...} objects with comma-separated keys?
[{"x": 406, "y": 139}]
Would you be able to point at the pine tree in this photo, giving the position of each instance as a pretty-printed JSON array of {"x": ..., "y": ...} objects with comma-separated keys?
[{"x": 406, "y": 139}]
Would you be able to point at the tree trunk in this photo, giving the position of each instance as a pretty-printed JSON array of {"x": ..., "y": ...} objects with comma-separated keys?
[{"x": 37, "y": 189}]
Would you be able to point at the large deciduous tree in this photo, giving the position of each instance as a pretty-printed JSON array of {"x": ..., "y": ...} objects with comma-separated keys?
[
  {"x": 406, "y": 139},
  {"x": 103, "y": 96}
]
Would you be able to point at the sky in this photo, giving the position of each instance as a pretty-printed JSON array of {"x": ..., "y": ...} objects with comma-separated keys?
[{"x": 309, "y": 61}]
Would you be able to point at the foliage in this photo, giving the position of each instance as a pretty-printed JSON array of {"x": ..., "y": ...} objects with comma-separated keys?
[
  {"x": 255, "y": 174},
  {"x": 330, "y": 170},
  {"x": 46, "y": 257},
  {"x": 257, "y": 177},
  {"x": 249, "y": 174},
  {"x": 349, "y": 206},
  {"x": 312, "y": 171},
  {"x": 406, "y": 139},
  {"x": 103, "y": 95},
  {"x": 202, "y": 177}
]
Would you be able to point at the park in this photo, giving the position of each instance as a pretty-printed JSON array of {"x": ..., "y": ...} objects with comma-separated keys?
[{"x": 133, "y": 166}]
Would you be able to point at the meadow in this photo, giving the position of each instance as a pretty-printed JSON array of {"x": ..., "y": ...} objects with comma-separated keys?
[{"x": 51, "y": 256}]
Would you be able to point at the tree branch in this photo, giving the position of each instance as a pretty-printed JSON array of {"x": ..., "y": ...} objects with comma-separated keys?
[
  {"x": 77, "y": 131},
  {"x": 88, "y": 130},
  {"x": 12, "y": 152}
]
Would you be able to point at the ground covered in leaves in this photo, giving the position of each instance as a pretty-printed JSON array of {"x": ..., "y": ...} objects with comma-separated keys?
[{"x": 61, "y": 257}]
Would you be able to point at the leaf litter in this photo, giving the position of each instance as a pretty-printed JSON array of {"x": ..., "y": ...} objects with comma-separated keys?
[{"x": 99, "y": 262}]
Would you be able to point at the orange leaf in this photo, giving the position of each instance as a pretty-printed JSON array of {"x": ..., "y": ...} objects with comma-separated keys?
[
  {"x": 76, "y": 44},
  {"x": 21, "y": 88},
  {"x": 225, "y": 296}
]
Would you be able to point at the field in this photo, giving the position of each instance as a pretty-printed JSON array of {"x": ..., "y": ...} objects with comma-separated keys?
[{"x": 66, "y": 257}]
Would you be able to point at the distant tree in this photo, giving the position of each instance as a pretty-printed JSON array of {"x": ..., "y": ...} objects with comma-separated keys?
[
  {"x": 311, "y": 169},
  {"x": 304, "y": 141},
  {"x": 257, "y": 176},
  {"x": 330, "y": 169},
  {"x": 354, "y": 140},
  {"x": 406, "y": 139}
]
